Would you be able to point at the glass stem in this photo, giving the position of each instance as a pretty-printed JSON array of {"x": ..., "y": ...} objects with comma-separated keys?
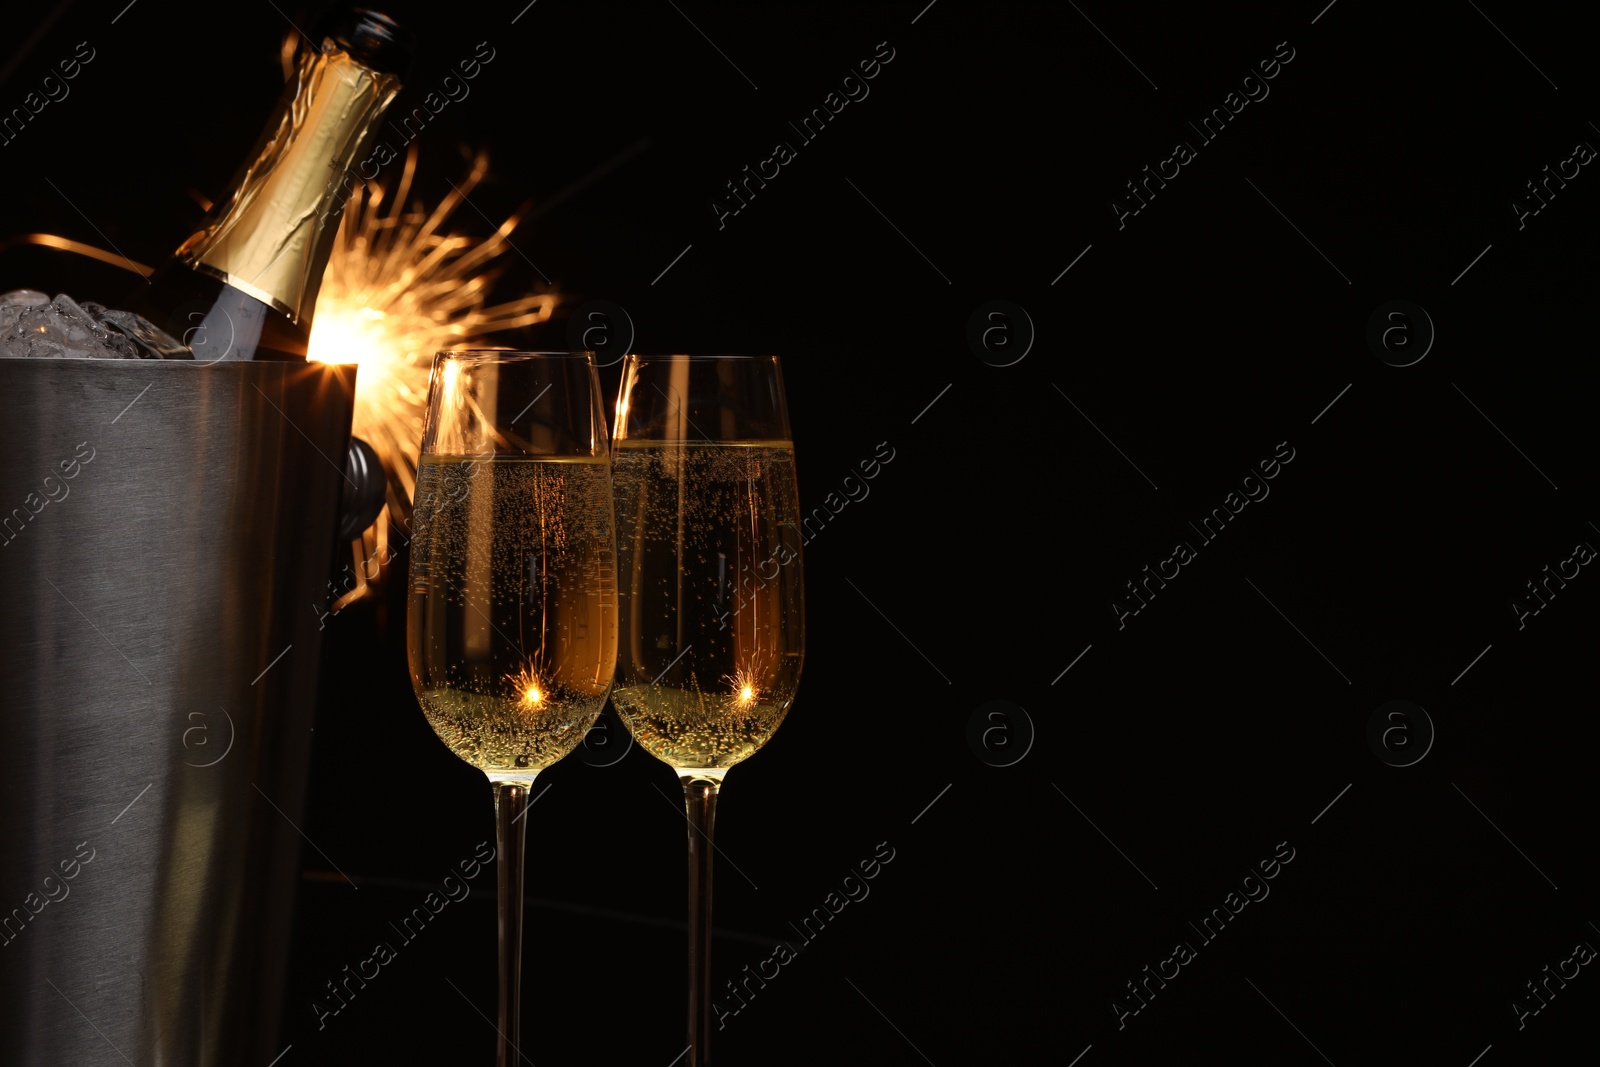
[
  {"x": 700, "y": 801},
  {"x": 511, "y": 829}
]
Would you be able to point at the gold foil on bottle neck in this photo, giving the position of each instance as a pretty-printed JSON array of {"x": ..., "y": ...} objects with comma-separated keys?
[{"x": 272, "y": 238}]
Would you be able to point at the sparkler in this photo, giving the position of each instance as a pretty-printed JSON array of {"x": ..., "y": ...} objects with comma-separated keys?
[{"x": 396, "y": 291}]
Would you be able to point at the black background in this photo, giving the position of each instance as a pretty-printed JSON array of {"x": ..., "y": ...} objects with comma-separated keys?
[{"x": 1218, "y": 722}]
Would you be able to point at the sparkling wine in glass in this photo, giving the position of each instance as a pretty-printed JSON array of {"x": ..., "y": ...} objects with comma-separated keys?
[
  {"x": 710, "y": 598},
  {"x": 512, "y": 626}
]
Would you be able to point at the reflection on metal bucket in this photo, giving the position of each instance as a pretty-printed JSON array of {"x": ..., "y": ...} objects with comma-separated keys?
[{"x": 166, "y": 530}]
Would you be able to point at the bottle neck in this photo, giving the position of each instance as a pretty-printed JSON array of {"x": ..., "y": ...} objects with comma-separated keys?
[{"x": 272, "y": 237}]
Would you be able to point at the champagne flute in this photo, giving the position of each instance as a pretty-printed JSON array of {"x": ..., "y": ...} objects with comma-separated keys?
[
  {"x": 512, "y": 627},
  {"x": 710, "y": 600}
]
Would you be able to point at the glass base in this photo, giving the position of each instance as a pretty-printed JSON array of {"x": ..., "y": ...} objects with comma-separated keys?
[{"x": 714, "y": 775}]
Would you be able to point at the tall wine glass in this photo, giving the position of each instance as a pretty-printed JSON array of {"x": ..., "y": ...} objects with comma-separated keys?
[
  {"x": 710, "y": 598},
  {"x": 512, "y": 628}
]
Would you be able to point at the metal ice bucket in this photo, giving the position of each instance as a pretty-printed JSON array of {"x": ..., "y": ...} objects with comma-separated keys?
[{"x": 166, "y": 530}]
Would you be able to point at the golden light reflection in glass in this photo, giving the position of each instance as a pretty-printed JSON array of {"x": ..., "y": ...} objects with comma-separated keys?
[
  {"x": 745, "y": 689},
  {"x": 530, "y": 685}
]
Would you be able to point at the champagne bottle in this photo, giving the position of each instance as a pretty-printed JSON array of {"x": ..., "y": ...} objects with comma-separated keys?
[{"x": 244, "y": 286}]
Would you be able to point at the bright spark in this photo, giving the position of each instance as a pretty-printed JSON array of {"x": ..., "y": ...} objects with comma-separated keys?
[
  {"x": 528, "y": 682},
  {"x": 744, "y": 685}
]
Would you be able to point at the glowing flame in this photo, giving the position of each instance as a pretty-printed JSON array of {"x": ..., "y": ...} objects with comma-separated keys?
[{"x": 396, "y": 291}]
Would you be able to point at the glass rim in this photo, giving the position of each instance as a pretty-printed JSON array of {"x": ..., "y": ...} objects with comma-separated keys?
[
  {"x": 506, "y": 355},
  {"x": 702, "y": 357}
]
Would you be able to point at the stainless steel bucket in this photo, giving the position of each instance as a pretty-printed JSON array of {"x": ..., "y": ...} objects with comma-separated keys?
[{"x": 166, "y": 531}]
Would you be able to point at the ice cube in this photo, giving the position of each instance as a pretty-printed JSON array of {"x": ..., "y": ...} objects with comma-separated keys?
[
  {"x": 152, "y": 341},
  {"x": 62, "y": 328},
  {"x": 14, "y": 303}
]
